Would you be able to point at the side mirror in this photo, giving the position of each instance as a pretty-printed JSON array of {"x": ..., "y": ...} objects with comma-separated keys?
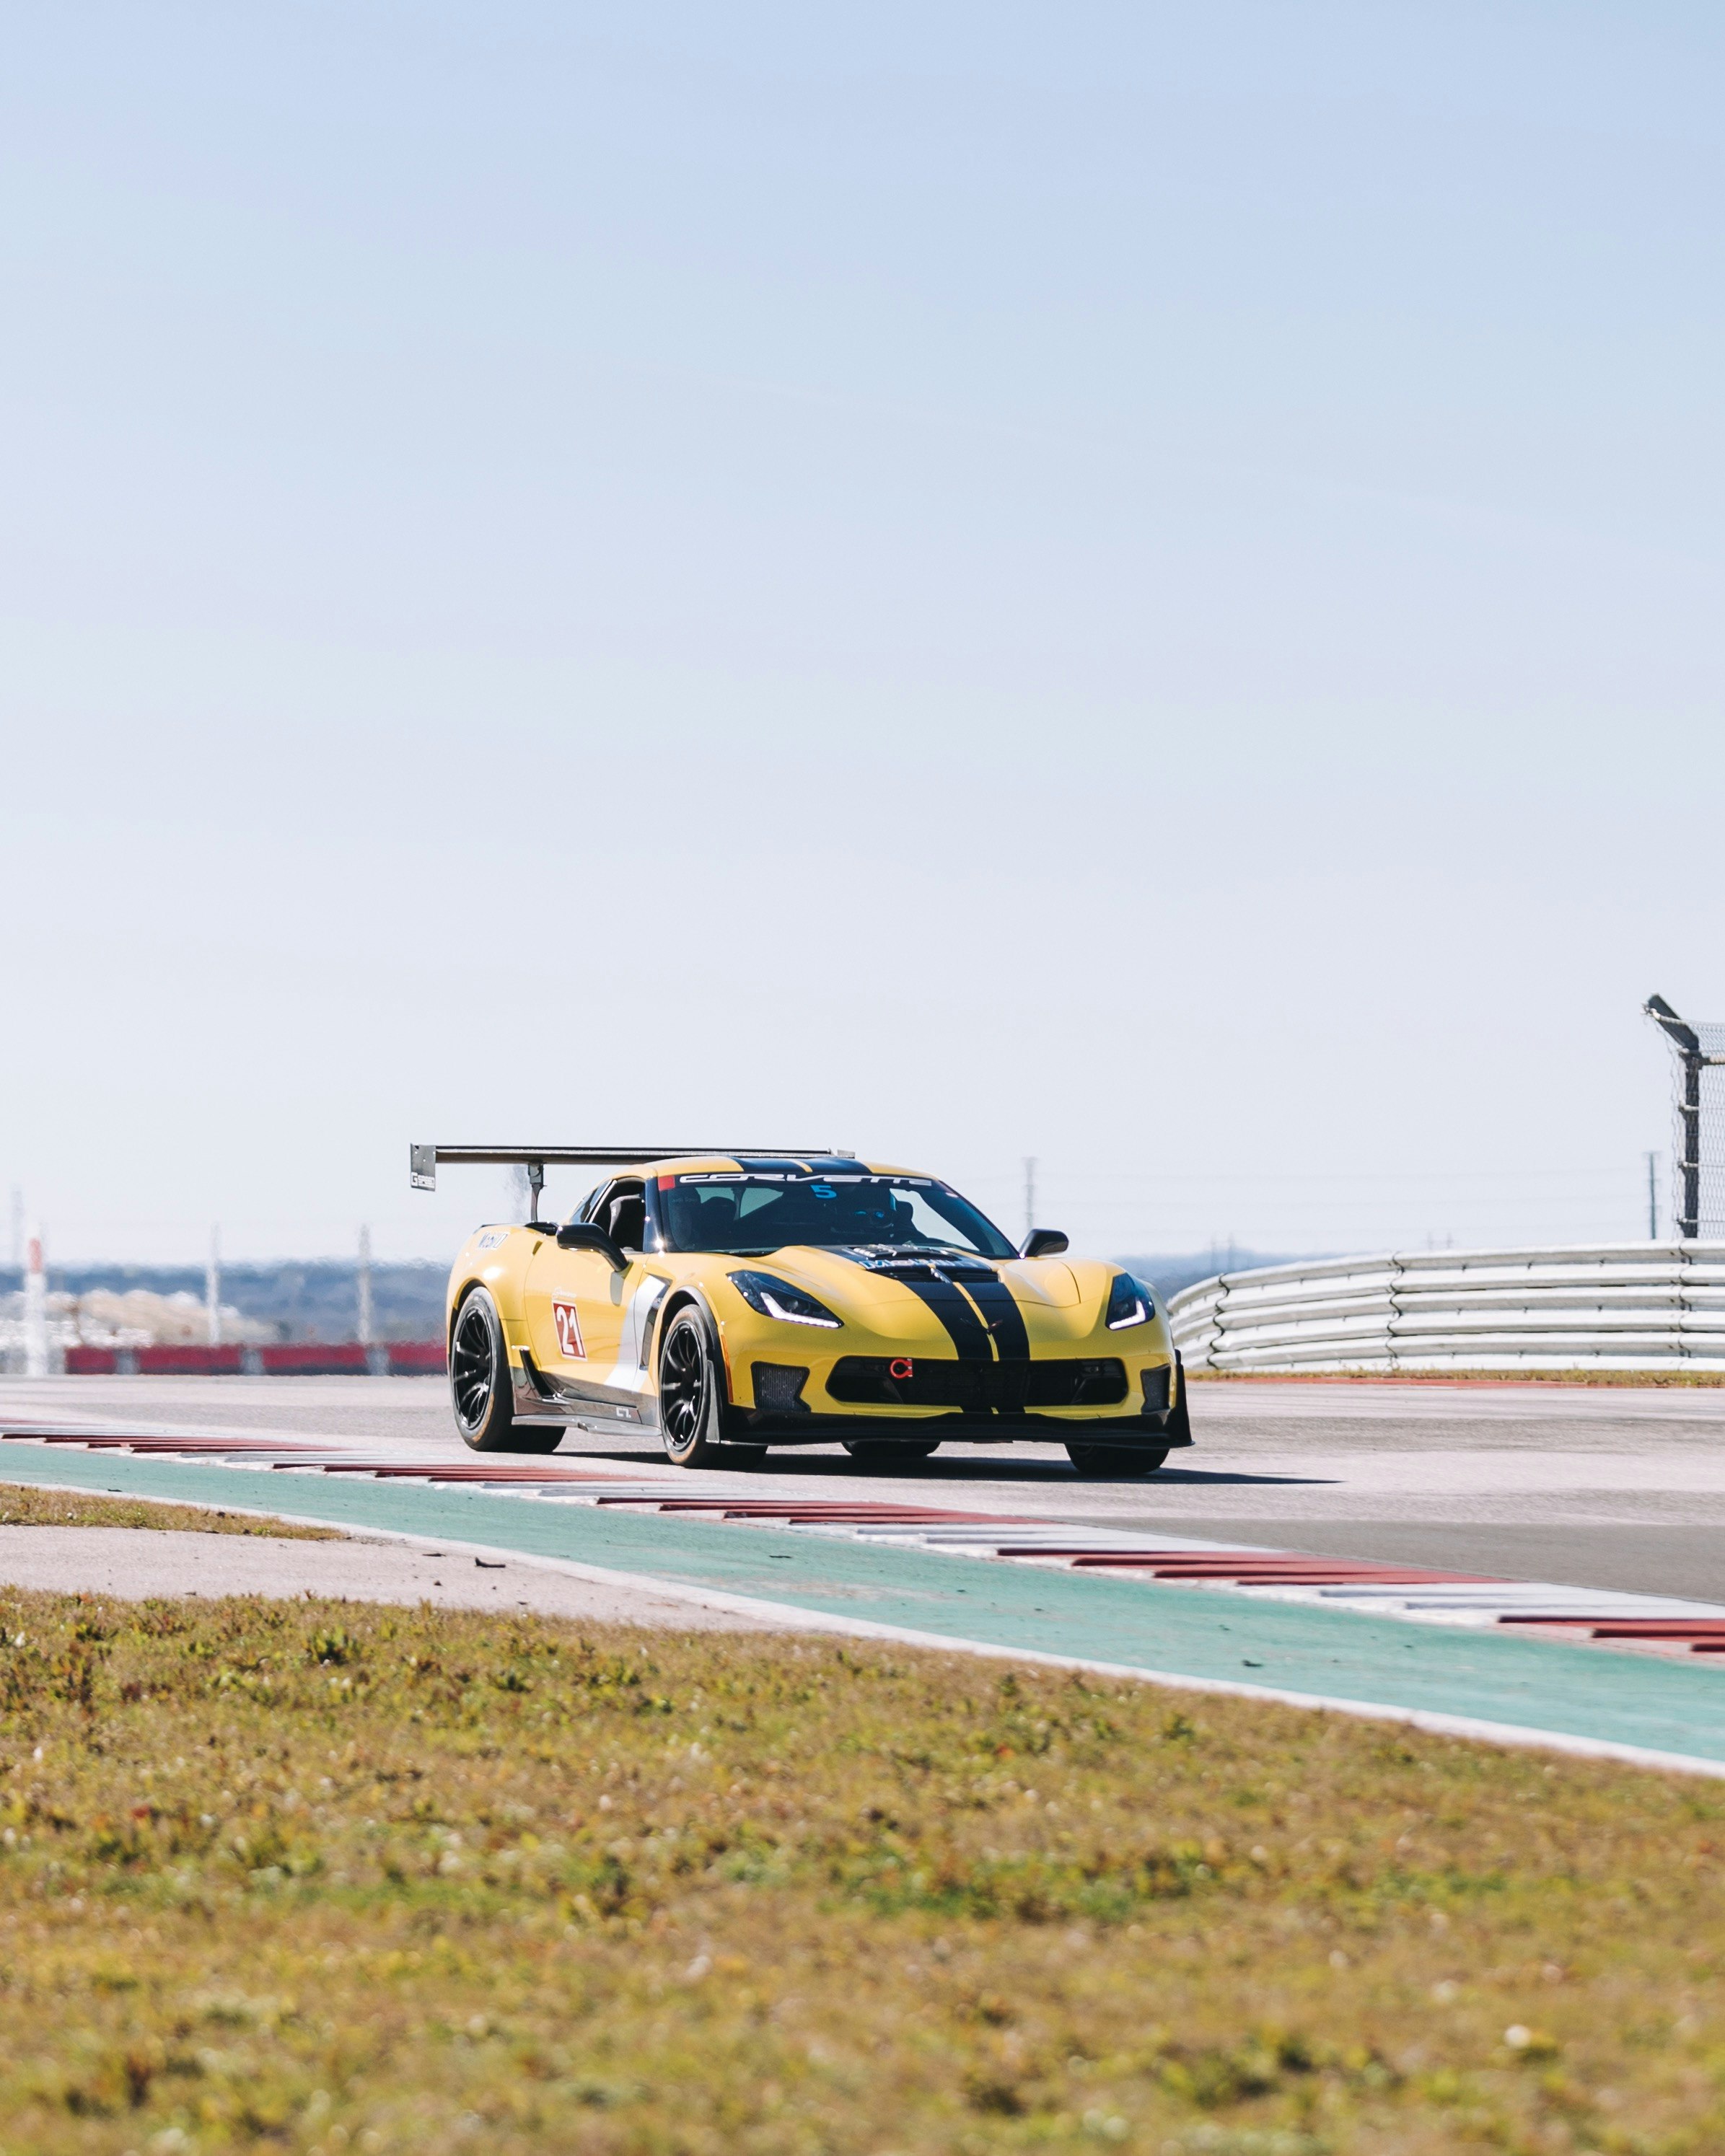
[
  {"x": 578, "y": 1235},
  {"x": 1042, "y": 1243}
]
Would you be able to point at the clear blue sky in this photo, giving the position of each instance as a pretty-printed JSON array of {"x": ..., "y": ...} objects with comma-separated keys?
[{"x": 1135, "y": 585}]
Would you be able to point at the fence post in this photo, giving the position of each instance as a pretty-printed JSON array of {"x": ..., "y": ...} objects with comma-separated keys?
[
  {"x": 1692, "y": 1058},
  {"x": 1689, "y": 1226}
]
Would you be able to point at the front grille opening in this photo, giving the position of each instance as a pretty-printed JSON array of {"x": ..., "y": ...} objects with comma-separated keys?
[
  {"x": 977, "y": 1388},
  {"x": 778, "y": 1389},
  {"x": 1156, "y": 1386}
]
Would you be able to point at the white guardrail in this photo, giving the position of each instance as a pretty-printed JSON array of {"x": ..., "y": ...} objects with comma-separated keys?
[{"x": 1614, "y": 1306}]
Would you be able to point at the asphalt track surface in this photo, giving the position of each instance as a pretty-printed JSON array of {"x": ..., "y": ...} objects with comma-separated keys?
[{"x": 1600, "y": 1486}]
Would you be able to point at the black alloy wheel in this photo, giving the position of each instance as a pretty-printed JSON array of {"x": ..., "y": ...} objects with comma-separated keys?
[
  {"x": 690, "y": 1405},
  {"x": 1128, "y": 1460},
  {"x": 874, "y": 1452},
  {"x": 480, "y": 1388}
]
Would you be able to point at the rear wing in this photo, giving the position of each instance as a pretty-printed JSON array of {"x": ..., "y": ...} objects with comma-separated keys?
[{"x": 423, "y": 1159}]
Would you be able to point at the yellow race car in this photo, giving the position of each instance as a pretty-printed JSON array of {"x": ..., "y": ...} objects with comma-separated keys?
[{"x": 737, "y": 1300}]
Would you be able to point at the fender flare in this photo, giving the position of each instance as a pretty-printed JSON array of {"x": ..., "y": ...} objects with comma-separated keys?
[
  {"x": 456, "y": 1301},
  {"x": 688, "y": 1295}
]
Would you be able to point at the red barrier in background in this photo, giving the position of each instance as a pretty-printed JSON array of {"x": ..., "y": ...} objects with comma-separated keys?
[
  {"x": 313, "y": 1358},
  {"x": 90, "y": 1362},
  {"x": 412, "y": 1358},
  {"x": 297, "y": 1358},
  {"x": 189, "y": 1361}
]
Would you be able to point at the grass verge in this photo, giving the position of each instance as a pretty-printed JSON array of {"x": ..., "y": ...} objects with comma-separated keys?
[
  {"x": 22, "y": 1505},
  {"x": 320, "y": 1877}
]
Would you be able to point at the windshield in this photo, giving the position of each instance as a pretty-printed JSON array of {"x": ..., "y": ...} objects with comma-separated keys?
[{"x": 752, "y": 1214}]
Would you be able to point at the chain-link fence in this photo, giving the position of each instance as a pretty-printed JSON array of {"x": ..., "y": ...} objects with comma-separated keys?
[{"x": 1698, "y": 1147}]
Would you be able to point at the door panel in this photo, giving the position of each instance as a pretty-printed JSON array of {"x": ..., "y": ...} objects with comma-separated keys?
[
  {"x": 590, "y": 1327},
  {"x": 575, "y": 1306}
]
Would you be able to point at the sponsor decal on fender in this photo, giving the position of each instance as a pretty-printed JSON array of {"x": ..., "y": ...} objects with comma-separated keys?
[{"x": 569, "y": 1326}]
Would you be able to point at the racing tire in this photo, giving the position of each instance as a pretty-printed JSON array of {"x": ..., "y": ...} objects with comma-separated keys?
[
  {"x": 886, "y": 1452},
  {"x": 480, "y": 1393},
  {"x": 1114, "y": 1459},
  {"x": 691, "y": 1406}
]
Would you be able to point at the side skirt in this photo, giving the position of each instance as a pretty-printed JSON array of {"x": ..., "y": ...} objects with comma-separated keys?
[{"x": 538, "y": 1400}]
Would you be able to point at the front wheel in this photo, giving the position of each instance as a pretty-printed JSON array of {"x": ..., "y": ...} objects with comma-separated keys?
[
  {"x": 479, "y": 1390},
  {"x": 691, "y": 1400},
  {"x": 1113, "y": 1459}
]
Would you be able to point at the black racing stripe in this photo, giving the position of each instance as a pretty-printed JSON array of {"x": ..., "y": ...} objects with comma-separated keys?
[
  {"x": 1002, "y": 1316},
  {"x": 963, "y": 1327}
]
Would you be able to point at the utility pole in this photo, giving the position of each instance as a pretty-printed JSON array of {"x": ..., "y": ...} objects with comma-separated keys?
[
  {"x": 212, "y": 1290},
  {"x": 364, "y": 1287},
  {"x": 1030, "y": 1194},
  {"x": 1653, "y": 1197}
]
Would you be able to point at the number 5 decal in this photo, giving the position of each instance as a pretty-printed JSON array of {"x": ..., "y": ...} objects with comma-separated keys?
[{"x": 568, "y": 1327}]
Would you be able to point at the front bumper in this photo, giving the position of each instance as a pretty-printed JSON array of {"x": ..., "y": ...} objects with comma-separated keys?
[{"x": 1043, "y": 1400}]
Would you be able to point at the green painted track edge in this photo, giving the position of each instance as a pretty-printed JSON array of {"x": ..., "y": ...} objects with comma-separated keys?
[{"x": 1340, "y": 1656}]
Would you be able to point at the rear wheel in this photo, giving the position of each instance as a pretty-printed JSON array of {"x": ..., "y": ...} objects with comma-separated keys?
[
  {"x": 886, "y": 1452},
  {"x": 690, "y": 1402},
  {"x": 1113, "y": 1459},
  {"x": 479, "y": 1389}
]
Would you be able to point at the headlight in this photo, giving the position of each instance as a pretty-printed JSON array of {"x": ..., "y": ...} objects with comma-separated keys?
[
  {"x": 776, "y": 1298},
  {"x": 1129, "y": 1303}
]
